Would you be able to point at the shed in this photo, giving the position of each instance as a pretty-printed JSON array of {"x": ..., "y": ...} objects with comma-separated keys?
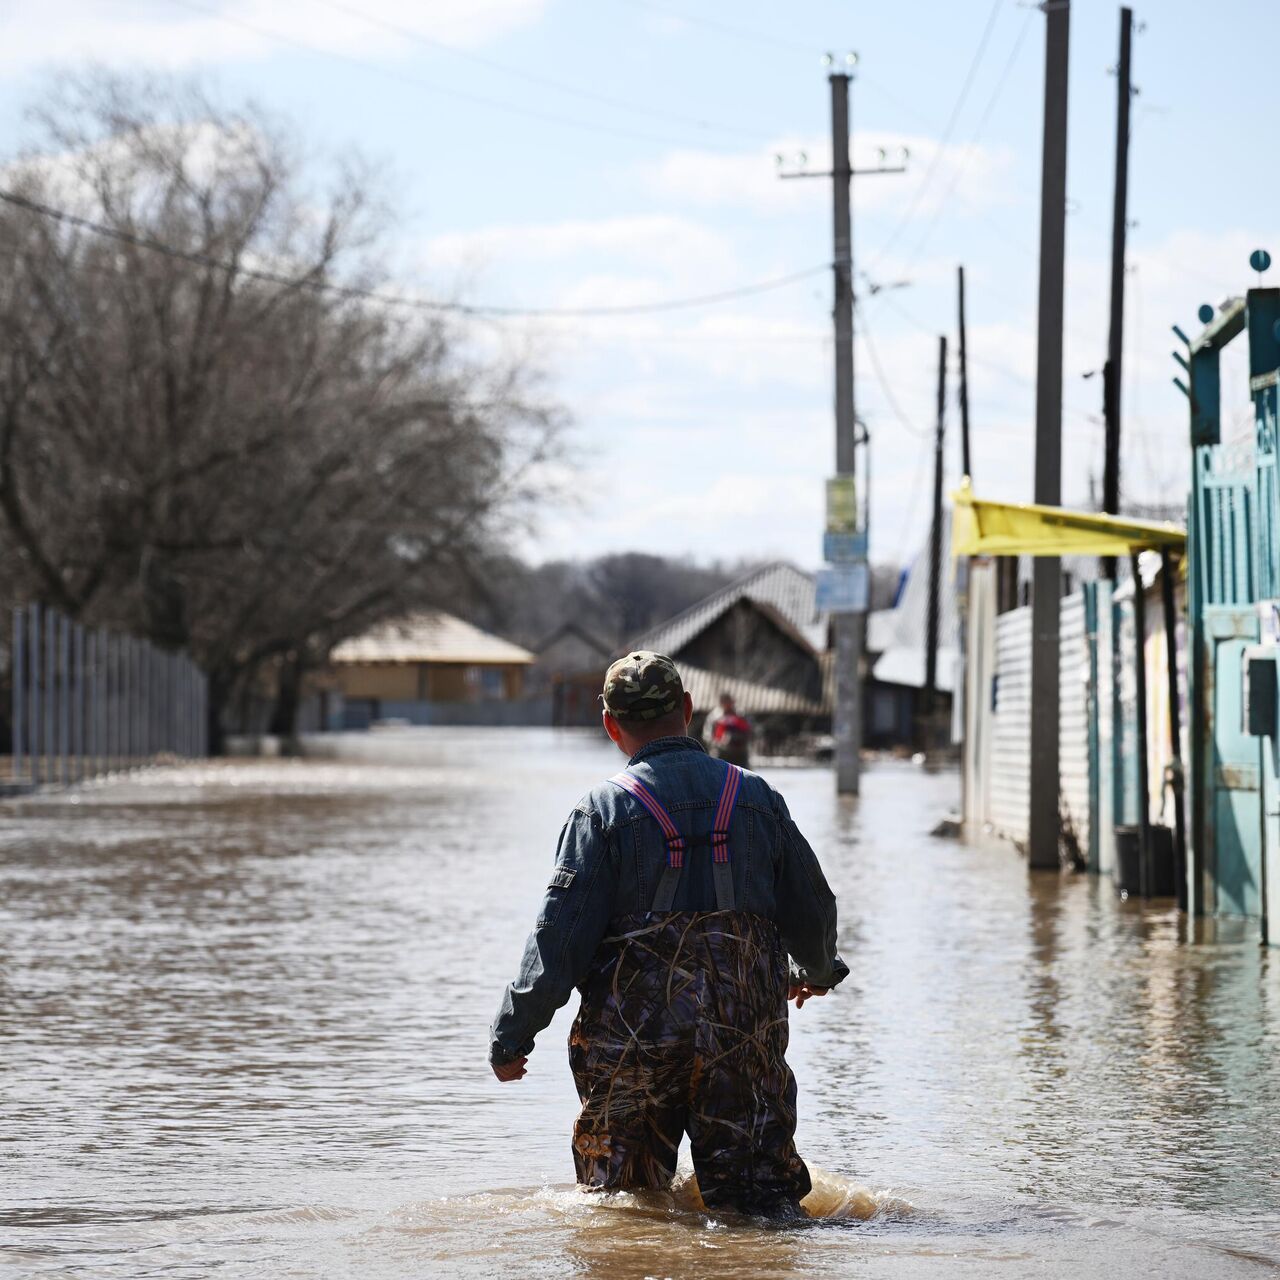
[{"x": 424, "y": 669}]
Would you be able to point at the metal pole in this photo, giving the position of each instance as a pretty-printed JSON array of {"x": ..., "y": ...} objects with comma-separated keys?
[
  {"x": 108, "y": 702},
  {"x": 1175, "y": 727},
  {"x": 1112, "y": 381},
  {"x": 848, "y": 634},
  {"x": 966, "y": 460},
  {"x": 145, "y": 700},
  {"x": 64, "y": 699},
  {"x": 1140, "y": 681},
  {"x": 77, "y": 706},
  {"x": 33, "y": 701},
  {"x": 91, "y": 705},
  {"x": 50, "y": 694},
  {"x": 117, "y": 702},
  {"x": 1046, "y": 581},
  {"x": 126, "y": 700},
  {"x": 17, "y": 677},
  {"x": 932, "y": 623}
]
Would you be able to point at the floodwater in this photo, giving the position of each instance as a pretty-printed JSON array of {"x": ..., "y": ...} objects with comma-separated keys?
[{"x": 244, "y": 1013}]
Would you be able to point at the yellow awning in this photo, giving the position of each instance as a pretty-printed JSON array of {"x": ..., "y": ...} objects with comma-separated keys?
[{"x": 982, "y": 528}]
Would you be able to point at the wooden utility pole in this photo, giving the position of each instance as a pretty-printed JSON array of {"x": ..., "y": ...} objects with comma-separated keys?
[
  {"x": 966, "y": 461},
  {"x": 1047, "y": 579},
  {"x": 1111, "y": 370},
  {"x": 932, "y": 623}
]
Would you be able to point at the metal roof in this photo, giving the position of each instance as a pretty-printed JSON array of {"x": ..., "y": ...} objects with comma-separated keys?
[
  {"x": 779, "y": 588},
  {"x": 430, "y": 636},
  {"x": 896, "y": 637}
]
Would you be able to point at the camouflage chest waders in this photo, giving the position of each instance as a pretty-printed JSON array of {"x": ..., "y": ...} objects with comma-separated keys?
[{"x": 683, "y": 1028}]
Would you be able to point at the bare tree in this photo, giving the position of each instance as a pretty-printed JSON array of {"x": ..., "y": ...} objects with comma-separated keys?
[{"x": 206, "y": 434}]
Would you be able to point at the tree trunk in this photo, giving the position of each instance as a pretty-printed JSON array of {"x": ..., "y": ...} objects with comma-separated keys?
[
  {"x": 284, "y": 714},
  {"x": 219, "y": 690}
]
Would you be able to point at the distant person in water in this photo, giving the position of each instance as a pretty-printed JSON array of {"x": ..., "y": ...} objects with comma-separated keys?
[
  {"x": 727, "y": 734},
  {"x": 680, "y": 887}
]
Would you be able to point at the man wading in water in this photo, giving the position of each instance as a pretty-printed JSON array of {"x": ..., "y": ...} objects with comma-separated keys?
[{"x": 680, "y": 886}]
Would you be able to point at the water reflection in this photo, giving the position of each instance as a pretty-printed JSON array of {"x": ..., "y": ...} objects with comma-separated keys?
[{"x": 243, "y": 1015}]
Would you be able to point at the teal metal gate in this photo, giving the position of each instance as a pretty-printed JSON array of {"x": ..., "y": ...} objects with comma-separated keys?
[{"x": 1234, "y": 545}]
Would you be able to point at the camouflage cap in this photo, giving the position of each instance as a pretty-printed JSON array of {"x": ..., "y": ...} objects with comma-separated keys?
[{"x": 642, "y": 686}]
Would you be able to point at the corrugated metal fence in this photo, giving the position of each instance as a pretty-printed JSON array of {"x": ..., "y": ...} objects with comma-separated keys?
[
  {"x": 1007, "y": 725},
  {"x": 88, "y": 701},
  {"x": 1073, "y": 720},
  {"x": 1009, "y": 798}
]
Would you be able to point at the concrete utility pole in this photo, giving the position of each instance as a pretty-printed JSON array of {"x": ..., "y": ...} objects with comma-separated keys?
[
  {"x": 1047, "y": 578},
  {"x": 965, "y": 460},
  {"x": 932, "y": 624},
  {"x": 1111, "y": 371},
  {"x": 848, "y": 627}
]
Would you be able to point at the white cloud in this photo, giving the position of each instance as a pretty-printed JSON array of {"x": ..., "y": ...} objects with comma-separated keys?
[
  {"x": 659, "y": 241},
  {"x": 139, "y": 33}
]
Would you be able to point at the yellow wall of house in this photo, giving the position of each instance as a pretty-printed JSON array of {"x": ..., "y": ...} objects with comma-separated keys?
[
  {"x": 447, "y": 682},
  {"x": 389, "y": 681},
  {"x": 429, "y": 681}
]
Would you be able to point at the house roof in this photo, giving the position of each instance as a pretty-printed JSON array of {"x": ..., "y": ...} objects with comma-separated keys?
[
  {"x": 779, "y": 589},
  {"x": 430, "y": 636},
  {"x": 574, "y": 629},
  {"x": 752, "y": 699}
]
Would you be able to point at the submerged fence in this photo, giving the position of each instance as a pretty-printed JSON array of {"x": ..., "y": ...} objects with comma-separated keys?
[{"x": 89, "y": 701}]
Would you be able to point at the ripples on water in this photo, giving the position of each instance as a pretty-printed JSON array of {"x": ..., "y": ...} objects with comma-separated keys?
[{"x": 243, "y": 1016}]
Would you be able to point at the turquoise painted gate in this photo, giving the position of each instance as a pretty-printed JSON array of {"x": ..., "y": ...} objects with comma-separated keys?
[{"x": 1234, "y": 545}]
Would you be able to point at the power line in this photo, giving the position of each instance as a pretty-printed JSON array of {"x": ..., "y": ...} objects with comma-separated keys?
[
  {"x": 464, "y": 95},
  {"x": 946, "y": 132},
  {"x": 394, "y": 300},
  {"x": 886, "y": 389},
  {"x": 533, "y": 77},
  {"x": 977, "y": 133}
]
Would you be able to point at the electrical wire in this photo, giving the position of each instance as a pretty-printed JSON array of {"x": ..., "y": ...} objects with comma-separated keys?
[
  {"x": 945, "y": 138},
  {"x": 974, "y": 358},
  {"x": 973, "y": 141},
  {"x": 385, "y": 299},
  {"x": 534, "y": 77},
  {"x": 464, "y": 95},
  {"x": 923, "y": 458},
  {"x": 886, "y": 390}
]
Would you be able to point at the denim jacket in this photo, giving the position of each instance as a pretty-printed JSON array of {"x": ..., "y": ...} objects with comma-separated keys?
[{"x": 612, "y": 854}]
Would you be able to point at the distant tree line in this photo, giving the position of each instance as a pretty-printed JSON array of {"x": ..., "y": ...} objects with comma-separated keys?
[
  {"x": 209, "y": 447},
  {"x": 614, "y": 597}
]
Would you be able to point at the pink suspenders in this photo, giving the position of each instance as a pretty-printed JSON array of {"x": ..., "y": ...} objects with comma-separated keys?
[{"x": 721, "y": 868}]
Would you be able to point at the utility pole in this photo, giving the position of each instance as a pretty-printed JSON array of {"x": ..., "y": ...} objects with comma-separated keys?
[
  {"x": 1111, "y": 370},
  {"x": 848, "y": 623},
  {"x": 1047, "y": 579},
  {"x": 966, "y": 461},
  {"x": 932, "y": 623},
  {"x": 847, "y": 628}
]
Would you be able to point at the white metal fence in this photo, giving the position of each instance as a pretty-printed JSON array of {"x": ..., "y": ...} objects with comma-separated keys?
[{"x": 87, "y": 701}]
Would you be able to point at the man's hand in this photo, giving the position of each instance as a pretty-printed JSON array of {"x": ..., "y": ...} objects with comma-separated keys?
[
  {"x": 802, "y": 991},
  {"x": 513, "y": 1070}
]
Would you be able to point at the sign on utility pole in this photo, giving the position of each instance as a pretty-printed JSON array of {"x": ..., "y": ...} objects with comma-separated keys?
[{"x": 843, "y": 587}]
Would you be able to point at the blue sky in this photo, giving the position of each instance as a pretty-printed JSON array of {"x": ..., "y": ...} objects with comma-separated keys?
[{"x": 655, "y": 179}]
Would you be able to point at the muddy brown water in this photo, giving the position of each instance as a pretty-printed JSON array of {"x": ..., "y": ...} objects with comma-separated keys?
[{"x": 243, "y": 1017}]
